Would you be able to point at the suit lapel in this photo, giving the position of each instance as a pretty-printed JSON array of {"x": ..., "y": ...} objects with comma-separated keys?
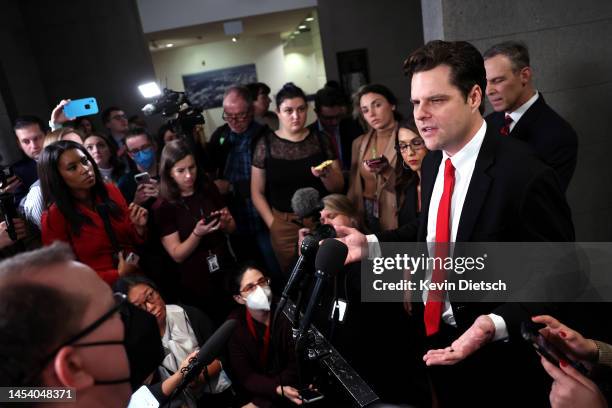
[
  {"x": 532, "y": 113},
  {"x": 430, "y": 167},
  {"x": 478, "y": 188}
]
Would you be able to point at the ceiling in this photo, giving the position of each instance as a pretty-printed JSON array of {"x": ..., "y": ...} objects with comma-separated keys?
[{"x": 282, "y": 23}]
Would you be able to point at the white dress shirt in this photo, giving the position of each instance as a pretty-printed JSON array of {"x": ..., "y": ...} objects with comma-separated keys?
[
  {"x": 464, "y": 162},
  {"x": 518, "y": 113}
]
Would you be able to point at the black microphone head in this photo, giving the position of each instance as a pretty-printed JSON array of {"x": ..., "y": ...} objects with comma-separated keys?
[
  {"x": 331, "y": 256},
  {"x": 215, "y": 344},
  {"x": 305, "y": 202}
]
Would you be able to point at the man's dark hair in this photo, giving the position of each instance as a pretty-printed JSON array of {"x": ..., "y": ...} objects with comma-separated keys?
[
  {"x": 243, "y": 92},
  {"x": 36, "y": 318},
  {"x": 138, "y": 131},
  {"x": 464, "y": 60},
  {"x": 106, "y": 113},
  {"x": 329, "y": 97},
  {"x": 515, "y": 51},
  {"x": 256, "y": 88},
  {"x": 29, "y": 120}
]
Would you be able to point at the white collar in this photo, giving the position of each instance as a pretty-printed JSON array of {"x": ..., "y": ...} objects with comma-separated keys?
[
  {"x": 520, "y": 111},
  {"x": 468, "y": 153}
]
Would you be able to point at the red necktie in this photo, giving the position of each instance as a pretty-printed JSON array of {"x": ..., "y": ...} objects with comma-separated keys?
[
  {"x": 505, "y": 130},
  {"x": 435, "y": 298}
]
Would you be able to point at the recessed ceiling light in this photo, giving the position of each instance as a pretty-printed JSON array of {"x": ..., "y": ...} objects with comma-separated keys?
[
  {"x": 310, "y": 19},
  {"x": 234, "y": 39},
  {"x": 170, "y": 45},
  {"x": 302, "y": 27}
]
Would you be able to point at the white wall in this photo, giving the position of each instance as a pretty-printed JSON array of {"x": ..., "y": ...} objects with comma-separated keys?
[
  {"x": 158, "y": 15},
  {"x": 266, "y": 52}
]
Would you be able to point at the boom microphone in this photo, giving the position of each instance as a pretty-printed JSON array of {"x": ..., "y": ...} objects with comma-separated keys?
[
  {"x": 209, "y": 351},
  {"x": 306, "y": 202},
  {"x": 329, "y": 261}
]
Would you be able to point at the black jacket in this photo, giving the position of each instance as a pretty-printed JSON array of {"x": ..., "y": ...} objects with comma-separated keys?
[{"x": 553, "y": 139}]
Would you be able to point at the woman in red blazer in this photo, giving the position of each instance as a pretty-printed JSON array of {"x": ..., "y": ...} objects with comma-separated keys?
[{"x": 76, "y": 200}]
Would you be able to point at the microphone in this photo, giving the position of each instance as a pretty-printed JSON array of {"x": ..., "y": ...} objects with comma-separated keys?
[
  {"x": 310, "y": 245},
  {"x": 209, "y": 351},
  {"x": 306, "y": 202},
  {"x": 329, "y": 261}
]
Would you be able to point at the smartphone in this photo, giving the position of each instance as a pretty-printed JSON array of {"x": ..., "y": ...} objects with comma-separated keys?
[
  {"x": 210, "y": 218},
  {"x": 132, "y": 258},
  {"x": 81, "y": 107},
  {"x": 376, "y": 162},
  {"x": 142, "y": 178},
  {"x": 323, "y": 165},
  {"x": 308, "y": 395},
  {"x": 551, "y": 353}
]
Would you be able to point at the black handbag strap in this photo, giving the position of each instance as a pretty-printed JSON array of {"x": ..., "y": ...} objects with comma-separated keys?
[{"x": 102, "y": 210}]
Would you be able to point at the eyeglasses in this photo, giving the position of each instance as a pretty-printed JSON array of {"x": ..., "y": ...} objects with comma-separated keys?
[
  {"x": 415, "y": 144},
  {"x": 251, "y": 286},
  {"x": 239, "y": 117},
  {"x": 120, "y": 300},
  {"x": 119, "y": 116},
  {"x": 150, "y": 298}
]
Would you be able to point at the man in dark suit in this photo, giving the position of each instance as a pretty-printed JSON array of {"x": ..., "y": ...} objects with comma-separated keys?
[
  {"x": 522, "y": 112},
  {"x": 476, "y": 187},
  {"x": 330, "y": 107}
]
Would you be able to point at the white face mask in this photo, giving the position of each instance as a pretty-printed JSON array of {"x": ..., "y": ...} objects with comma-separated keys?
[{"x": 259, "y": 299}]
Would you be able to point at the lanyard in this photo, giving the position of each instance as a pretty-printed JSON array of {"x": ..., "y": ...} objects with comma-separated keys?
[{"x": 263, "y": 354}]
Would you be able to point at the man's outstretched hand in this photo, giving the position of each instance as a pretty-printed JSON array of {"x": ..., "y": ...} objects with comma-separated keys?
[
  {"x": 356, "y": 242},
  {"x": 479, "y": 334}
]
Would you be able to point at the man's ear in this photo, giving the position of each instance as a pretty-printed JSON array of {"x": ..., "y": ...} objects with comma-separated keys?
[
  {"x": 239, "y": 299},
  {"x": 525, "y": 75},
  {"x": 69, "y": 369},
  {"x": 475, "y": 97}
]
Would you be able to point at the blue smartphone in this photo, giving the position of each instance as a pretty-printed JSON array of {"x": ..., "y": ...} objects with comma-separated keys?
[{"x": 81, "y": 107}]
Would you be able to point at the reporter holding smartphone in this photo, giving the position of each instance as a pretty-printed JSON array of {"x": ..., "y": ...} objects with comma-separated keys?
[
  {"x": 77, "y": 202},
  {"x": 285, "y": 161},
  {"x": 372, "y": 176},
  {"x": 570, "y": 388},
  {"x": 198, "y": 248},
  {"x": 141, "y": 148}
]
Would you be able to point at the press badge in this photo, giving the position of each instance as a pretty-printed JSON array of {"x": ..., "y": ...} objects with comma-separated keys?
[{"x": 213, "y": 263}]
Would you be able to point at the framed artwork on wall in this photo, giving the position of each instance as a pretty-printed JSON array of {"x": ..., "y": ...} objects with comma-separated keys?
[
  {"x": 205, "y": 89},
  {"x": 353, "y": 69}
]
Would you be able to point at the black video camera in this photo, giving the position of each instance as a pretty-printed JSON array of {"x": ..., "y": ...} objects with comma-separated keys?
[{"x": 182, "y": 115}]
